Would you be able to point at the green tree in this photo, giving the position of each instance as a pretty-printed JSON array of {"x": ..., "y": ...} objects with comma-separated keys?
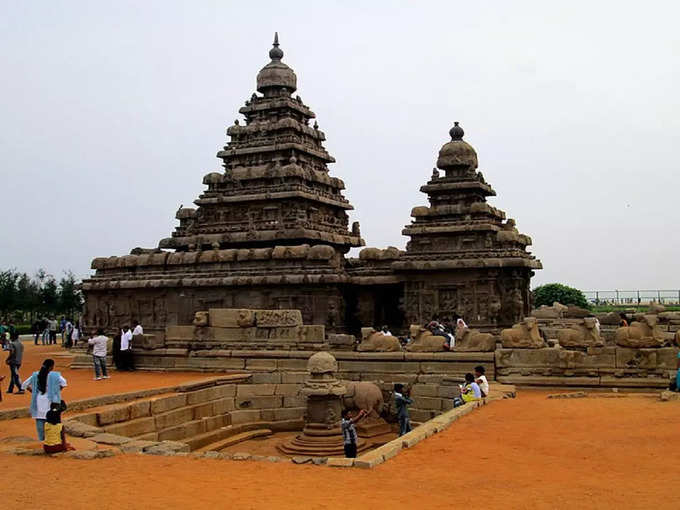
[
  {"x": 70, "y": 297},
  {"x": 49, "y": 298},
  {"x": 8, "y": 291},
  {"x": 551, "y": 292}
]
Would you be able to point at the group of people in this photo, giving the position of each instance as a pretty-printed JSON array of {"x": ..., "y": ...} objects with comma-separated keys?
[
  {"x": 47, "y": 330},
  {"x": 446, "y": 328},
  {"x": 475, "y": 387}
]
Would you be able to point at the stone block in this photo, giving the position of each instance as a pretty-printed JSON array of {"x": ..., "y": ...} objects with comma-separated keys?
[
  {"x": 255, "y": 390},
  {"x": 293, "y": 365},
  {"x": 377, "y": 366},
  {"x": 151, "y": 436},
  {"x": 291, "y": 413},
  {"x": 140, "y": 409},
  {"x": 268, "y": 402},
  {"x": 110, "y": 439},
  {"x": 449, "y": 392},
  {"x": 76, "y": 428},
  {"x": 428, "y": 403},
  {"x": 261, "y": 364},
  {"x": 113, "y": 415},
  {"x": 293, "y": 377},
  {"x": 165, "y": 404},
  {"x": 341, "y": 462},
  {"x": 87, "y": 419},
  {"x": 132, "y": 428},
  {"x": 174, "y": 418},
  {"x": 180, "y": 332},
  {"x": 223, "y": 405},
  {"x": 185, "y": 430},
  {"x": 294, "y": 401},
  {"x": 167, "y": 448},
  {"x": 425, "y": 390},
  {"x": 421, "y": 415},
  {"x": 278, "y": 318},
  {"x": 312, "y": 333},
  {"x": 201, "y": 396},
  {"x": 136, "y": 446},
  {"x": 289, "y": 333},
  {"x": 337, "y": 339},
  {"x": 231, "y": 317},
  {"x": 288, "y": 390},
  {"x": 249, "y": 416},
  {"x": 230, "y": 334},
  {"x": 266, "y": 378},
  {"x": 636, "y": 358},
  {"x": 203, "y": 410}
]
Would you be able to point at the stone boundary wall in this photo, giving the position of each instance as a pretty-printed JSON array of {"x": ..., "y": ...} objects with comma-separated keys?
[
  {"x": 198, "y": 417},
  {"x": 607, "y": 367}
]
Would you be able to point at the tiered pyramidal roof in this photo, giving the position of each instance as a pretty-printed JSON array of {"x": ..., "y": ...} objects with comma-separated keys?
[
  {"x": 276, "y": 188},
  {"x": 459, "y": 228}
]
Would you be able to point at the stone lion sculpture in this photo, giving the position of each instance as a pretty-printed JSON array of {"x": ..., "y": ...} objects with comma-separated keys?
[
  {"x": 523, "y": 335},
  {"x": 581, "y": 335},
  {"x": 376, "y": 341},
  {"x": 422, "y": 340},
  {"x": 471, "y": 340},
  {"x": 641, "y": 333}
]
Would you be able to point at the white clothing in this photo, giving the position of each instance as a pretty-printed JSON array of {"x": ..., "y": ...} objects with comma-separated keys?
[
  {"x": 475, "y": 389},
  {"x": 99, "y": 344},
  {"x": 138, "y": 330},
  {"x": 386, "y": 333},
  {"x": 125, "y": 339},
  {"x": 75, "y": 335},
  {"x": 42, "y": 402},
  {"x": 483, "y": 384}
]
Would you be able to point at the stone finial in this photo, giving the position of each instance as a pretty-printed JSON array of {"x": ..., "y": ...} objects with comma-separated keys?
[
  {"x": 235, "y": 122},
  {"x": 456, "y": 132},
  {"x": 322, "y": 363},
  {"x": 435, "y": 173},
  {"x": 276, "y": 53},
  {"x": 316, "y": 125}
]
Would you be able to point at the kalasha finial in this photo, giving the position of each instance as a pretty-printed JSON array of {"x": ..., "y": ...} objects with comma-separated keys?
[
  {"x": 276, "y": 53},
  {"x": 456, "y": 132}
]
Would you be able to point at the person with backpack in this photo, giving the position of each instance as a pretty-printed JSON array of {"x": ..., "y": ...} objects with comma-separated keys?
[{"x": 45, "y": 386}]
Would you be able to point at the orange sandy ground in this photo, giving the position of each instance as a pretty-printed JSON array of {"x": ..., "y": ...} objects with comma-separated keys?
[
  {"x": 526, "y": 453},
  {"x": 80, "y": 382}
]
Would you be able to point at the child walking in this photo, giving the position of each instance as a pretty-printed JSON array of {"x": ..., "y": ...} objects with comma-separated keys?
[{"x": 349, "y": 432}]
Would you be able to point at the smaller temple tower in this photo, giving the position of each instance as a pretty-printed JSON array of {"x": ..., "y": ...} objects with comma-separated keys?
[{"x": 464, "y": 258}]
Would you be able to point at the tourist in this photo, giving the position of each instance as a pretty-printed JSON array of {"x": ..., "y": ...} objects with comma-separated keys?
[
  {"x": 385, "y": 330},
  {"x": 16, "y": 354},
  {"x": 45, "y": 325},
  {"x": 470, "y": 390},
  {"x": 481, "y": 381},
  {"x": 66, "y": 334},
  {"x": 126, "y": 348},
  {"x": 115, "y": 351},
  {"x": 677, "y": 374},
  {"x": 99, "y": 345},
  {"x": 349, "y": 432},
  {"x": 55, "y": 440},
  {"x": 75, "y": 335},
  {"x": 45, "y": 387},
  {"x": 3, "y": 335},
  {"x": 138, "y": 330},
  {"x": 53, "y": 327},
  {"x": 35, "y": 329},
  {"x": 401, "y": 403},
  {"x": 624, "y": 320}
]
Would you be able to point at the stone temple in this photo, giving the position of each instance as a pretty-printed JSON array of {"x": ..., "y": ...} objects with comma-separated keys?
[{"x": 271, "y": 231}]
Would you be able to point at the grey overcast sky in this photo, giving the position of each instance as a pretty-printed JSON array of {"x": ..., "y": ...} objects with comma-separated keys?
[{"x": 112, "y": 112}]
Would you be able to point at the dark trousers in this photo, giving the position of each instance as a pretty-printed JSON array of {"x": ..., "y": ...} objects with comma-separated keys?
[
  {"x": 53, "y": 337},
  {"x": 350, "y": 450},
  {"x": 127, "y": 360},
  {"x": 14, "y": 379},
  {"x": 404, "y": 425}
]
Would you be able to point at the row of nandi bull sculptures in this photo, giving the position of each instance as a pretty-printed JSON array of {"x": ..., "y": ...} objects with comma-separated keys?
[{"x": 423, "y": 340}]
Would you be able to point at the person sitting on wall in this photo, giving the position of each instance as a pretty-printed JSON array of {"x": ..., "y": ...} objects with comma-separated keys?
[
  {"x": 349, "y": 431},
  {"x": 401, "y": 403},
  {"x": 385, "y": 330},
  {"x": 624, "y": 320},
  {"x": 470, "y": 391},
  {"x": 481, "y": 381}
]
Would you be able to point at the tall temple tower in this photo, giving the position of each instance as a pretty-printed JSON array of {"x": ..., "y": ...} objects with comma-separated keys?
[{"x": 464, "y": 259}]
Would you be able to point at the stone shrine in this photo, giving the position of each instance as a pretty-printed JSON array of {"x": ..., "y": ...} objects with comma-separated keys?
[{"x": 271, "y": 231}]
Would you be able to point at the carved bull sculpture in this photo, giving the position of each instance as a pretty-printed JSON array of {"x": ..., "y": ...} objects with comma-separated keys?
[
  {"x": 471, "y": 340},
  {"x": 523, "y": 335},
  {"x": 641, "y": 333},
  {"x": 581, "y": 335},
  {"x": 363, "y": 395},
  {"x": 375, "y": 341},
  {"x": 422, "y": 340}
]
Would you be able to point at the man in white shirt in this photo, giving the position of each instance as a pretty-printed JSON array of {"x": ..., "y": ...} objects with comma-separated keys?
[
  {"x": 138, "y": 330},
  {"x": 99, "y": 346},
  {"x": 385, "y": 331},
  {"x": 480, "y": 379},
  {"x": 125, "y": 348}
]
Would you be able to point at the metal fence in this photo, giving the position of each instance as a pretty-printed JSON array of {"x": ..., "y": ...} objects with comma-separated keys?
[{"x": 632, "y": 297}]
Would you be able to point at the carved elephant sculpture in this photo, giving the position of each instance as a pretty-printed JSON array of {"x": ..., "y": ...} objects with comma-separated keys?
[
  {"x": 471, "y": 340},
  {"x": 641, "y": 333},
  {"x": 422, "y": 340},
  {"x": 363, "y": 395},
  {"x": 523, "y": 335},
  {"x": 375, "y": 341},
  {"x": 581, "y": 335}
]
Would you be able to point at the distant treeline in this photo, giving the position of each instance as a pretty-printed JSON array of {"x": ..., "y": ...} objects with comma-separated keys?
[{"x": 24, "y": 298}]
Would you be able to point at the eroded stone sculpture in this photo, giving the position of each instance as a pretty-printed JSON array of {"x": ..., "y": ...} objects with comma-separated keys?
[
  {"x": 471, "y": 340},
  {"x": 422, "y": 340},
  {"x": 523, "y": 335},
  {"x": 641, "y": 333},
  {"x": 367, "y": 396},
  {"x": 376, "y": 341},
  {"x": 586, "y": 334}
]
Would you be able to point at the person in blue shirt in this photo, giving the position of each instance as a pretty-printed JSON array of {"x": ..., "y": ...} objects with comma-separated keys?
[{"x": 401, "y": 403}]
